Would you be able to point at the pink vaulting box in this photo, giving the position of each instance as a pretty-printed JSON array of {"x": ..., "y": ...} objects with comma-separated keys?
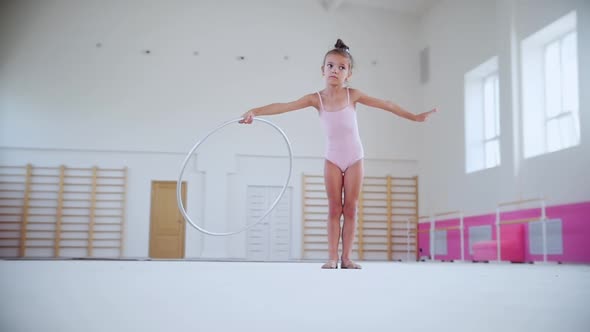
[{"x": 512, "y": 237}]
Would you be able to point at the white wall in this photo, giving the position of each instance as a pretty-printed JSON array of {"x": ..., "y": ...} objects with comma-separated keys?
[
  {"x": 53, "y": 75},
  {"x": 63, "y": 100},
  {"x": 462, "y": 34}
]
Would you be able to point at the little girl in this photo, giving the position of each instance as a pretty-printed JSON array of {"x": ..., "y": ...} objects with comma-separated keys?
[{"x": 343, "y": 168}]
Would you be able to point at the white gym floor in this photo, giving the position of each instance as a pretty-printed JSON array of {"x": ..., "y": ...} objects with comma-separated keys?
[{"x": 92, "y": 295}]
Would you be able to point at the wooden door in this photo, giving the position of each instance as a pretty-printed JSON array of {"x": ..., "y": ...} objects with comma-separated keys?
[{"x": 167, "y": 226}]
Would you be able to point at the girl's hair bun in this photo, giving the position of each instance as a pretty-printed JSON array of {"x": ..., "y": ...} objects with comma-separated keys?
[{"x": 340, "y": 44}]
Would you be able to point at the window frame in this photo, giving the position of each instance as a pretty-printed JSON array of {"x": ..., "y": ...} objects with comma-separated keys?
[
  {"x": 482, "y": 117},
  {"x": 549, "y": 93}
]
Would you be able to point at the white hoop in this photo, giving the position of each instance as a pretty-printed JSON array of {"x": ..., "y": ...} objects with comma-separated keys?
[{"x": 274, "y": 204}]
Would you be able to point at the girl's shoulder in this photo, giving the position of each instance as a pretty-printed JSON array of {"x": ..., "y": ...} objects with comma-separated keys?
[
  {"x": 313, "y": 98},
  {"x": 355, "y": 94}
]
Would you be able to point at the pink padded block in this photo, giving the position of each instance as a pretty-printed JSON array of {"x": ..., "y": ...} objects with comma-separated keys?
[{"x": 512, "y": 237}]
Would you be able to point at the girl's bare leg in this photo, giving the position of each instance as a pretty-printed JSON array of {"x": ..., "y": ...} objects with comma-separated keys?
[
  {"x": 333, "y": 181},
  {"x": 353, "y": 180}
]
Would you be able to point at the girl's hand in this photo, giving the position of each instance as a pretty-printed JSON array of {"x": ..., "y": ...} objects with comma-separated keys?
[
  {"x": 424, "y": 116},
  {"x": 247, "y": 117}
]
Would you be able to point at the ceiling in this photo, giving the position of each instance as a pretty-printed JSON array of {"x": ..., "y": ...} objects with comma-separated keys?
[{"x": 407, "y": 7}]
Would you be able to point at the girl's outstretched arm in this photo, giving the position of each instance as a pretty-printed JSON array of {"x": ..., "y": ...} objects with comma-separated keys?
[
  {"x": 390, "y": 107},
  {"x": 278, "y": 108}
]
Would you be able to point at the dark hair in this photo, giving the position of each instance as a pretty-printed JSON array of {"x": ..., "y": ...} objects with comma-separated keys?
[{"x": 341, "y": 49}]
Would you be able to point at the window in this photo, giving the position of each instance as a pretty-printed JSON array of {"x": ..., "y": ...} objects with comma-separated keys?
[
  {"x": 550, "y": 88},
  {"x": 482, "y": 117}
]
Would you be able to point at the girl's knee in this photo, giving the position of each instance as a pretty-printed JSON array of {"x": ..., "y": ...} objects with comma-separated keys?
[
  {"x": 349, "y": 209},
  {"x": 335, "y": 210}
]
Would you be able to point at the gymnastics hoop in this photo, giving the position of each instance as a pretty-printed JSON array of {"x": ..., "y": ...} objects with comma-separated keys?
[{"x": 191, "y": 152}]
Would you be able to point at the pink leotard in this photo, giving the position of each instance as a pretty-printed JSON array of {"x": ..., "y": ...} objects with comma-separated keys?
[{"x": 343, "y": 143}]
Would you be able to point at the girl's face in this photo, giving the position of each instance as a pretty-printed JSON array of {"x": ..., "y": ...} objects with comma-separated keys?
[{"x": 336, "y": 69}]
